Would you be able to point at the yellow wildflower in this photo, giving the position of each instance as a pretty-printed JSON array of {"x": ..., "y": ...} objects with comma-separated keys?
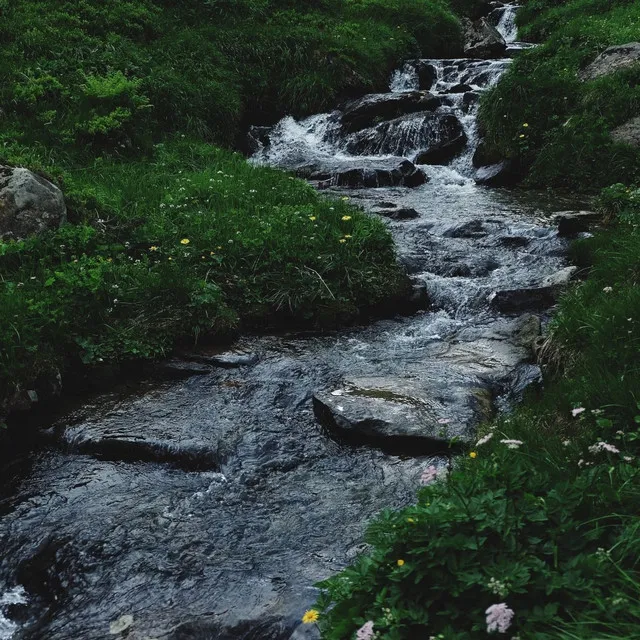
[
  {"x": 312, "y": 218},
  {"x": 109, "y": 259},
  {"x": 345, "y": 198},
  {"x": 170, "y": 258},
  {"x": 211, "y": 253},
  {"x": 342, "y": 240},
  {"x": 473, "y": 454},
  {"x": 522, "y": 135},
  {"x": 185, "y": 241},
  {"x": 526, "y": 124},
  {"x": 347, "y": 235},
  {"x": 400, "y": 562},
  {"x": 310, "y": 616},
  {"x": 153, "y": 248},
  {"x": 411, "y": 520},
  {"x": 346, "y": 218}
]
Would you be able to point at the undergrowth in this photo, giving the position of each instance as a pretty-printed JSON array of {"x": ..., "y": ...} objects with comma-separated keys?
[{"x": 557, "y": 126}]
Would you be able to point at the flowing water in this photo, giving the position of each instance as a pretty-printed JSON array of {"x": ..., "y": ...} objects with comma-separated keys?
[{"x": 208, "y": 506}]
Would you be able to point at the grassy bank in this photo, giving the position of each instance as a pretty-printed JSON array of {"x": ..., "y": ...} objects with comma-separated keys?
[
  {"x": 558, "y": 126},
  {"x": 192, "y": 242},
  {"x": 172, "y": 239}
]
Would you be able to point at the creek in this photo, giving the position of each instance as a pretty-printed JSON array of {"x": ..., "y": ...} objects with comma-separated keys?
[{"x": 209, "y": 505}]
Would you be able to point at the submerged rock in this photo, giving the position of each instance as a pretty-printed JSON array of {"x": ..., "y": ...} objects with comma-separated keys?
[
  {"x": 29, "y": 204},
  {"x": 611, "y": 60}
]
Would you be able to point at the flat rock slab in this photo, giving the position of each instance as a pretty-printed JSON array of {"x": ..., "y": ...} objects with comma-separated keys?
[
  {"x": 572, "y": 222},
  {"x": 392, "y": 412},
  {"x": 628, "y": 133}
]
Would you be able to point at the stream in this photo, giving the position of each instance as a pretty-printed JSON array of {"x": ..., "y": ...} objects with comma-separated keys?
[{"x": 207, "y": 506}]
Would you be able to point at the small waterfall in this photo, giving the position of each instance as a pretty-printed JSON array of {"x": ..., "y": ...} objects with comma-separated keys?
[
  {"x": 405, "y": 79},
  {"x": 507, "y": 23}
]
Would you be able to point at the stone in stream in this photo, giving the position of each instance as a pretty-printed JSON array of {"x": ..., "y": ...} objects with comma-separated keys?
[
  {"x": 611, "y": 60},
  {"x": 226, "y": 360},
  {"x": 403, "y": 213},
  {"x": 572, "y": 222},
  {"x": 628, "y": 133},
  {"x": 371, "y": 109},
  {"x": 482, "y": 40},
  {"x": 406, "y": 174},
  {"x": 502, "y": 174},
  {"x": 460, "y": 88},
  {"x": 443, "y": 152},
  {"x": 29, "y": 204},
  {"x": 407, "y": 134},
  {"x": 427, "y": 74}
]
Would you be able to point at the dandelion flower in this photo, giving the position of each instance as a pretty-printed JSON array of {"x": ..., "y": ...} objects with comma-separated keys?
[
  {"x": 400, "y": 562},
  {"x": 522, "y": 135},
  {"x": 348, "y": 236},
  {"x": 185, "y": 241},
  {"x": 525, "y": 124},
  {"x": 473, "y": 455},
  {"x": 365, "y": 632},
  {"x": 346, "y": 218},
  {"x": 312, "y": 218},
  {"x": 153, "y": 248},
  {"x": 342, "y": 240},
  {"x": 310, "y": 616}
]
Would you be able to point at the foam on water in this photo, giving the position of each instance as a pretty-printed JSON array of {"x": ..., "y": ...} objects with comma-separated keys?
[{"x": 14, "y": 596}]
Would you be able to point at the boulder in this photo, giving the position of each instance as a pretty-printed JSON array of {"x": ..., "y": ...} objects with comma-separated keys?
[
  {"x": 501, "y": 174},
  {"x": 460, "y": 88},
  {"x": 427, "y": 74},
  {"x": 444, "y": 152},
  {"x": 482, "y": 40},
  {"x": 370, "y": 110},
  {"x": 406, "y": 135},
  {"x": 484, "y": 156},
  {"x": 406, "y": 174},
  {"x": 628, "y": 133},
  {"x": 572, "y": 222},
  {"x": 525, "y": 299},
  {"x": 29, "y": 204},
  {"x": 611, "y": 60},
  {"x": 258, "y": 138}
]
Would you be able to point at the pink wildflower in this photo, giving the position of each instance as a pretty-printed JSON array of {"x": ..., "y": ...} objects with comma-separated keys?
[
  {"x": 499, "y": 618},
  {"x": 365, "y": 632},
  {"x": 599, "y": 447},
  {"x": 428, "y": 475},
  {"x": 577, "y": 411}
]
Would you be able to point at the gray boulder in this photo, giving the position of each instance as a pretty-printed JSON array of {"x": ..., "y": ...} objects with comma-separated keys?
[
  {"x": 628, "y": 133},
  {"x": 611, "y": 60},
  {"x": 572, "y": 222},
  {"x": 29, "y": 204},
  {"x": 483, "y": 40}
]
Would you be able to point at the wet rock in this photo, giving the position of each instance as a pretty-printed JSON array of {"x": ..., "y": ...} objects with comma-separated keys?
[
  {"x": 560, "y": 278},
  {"x": 29, "y": 204},
  {"x": 406, "y": 135},
  {"x": 444, "y": 152},
  {"x": 405, "y": 174},
  {"x": 514, "y": 241},
  {"x": 385, "y": 204},
  {"x": 611, "y": 60},
  {"x": 470, "y": 229},
  {"x": 470, "y": 99},
  {"x": 628, "y": 133},
  {"x": 391, "y": 413},
  {"x": 502, "y": 174},
  {"x": 404, "y": 213},
  {"x": 482, "y": 40},
  {"x": 525, "y": 299},
  {"x": 460, "y": 88},
  {"x": 371, "y": 109},
  {"x": 572, "y": 222},
  {"x": 306, "y": 632},
  {"x": 483, "y": 156},
  {"x": 427, "y": 74}
]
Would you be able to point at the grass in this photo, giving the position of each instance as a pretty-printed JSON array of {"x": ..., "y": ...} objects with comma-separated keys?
[
  {"x": 539, "y": 515},
  {"x": 193, "y": 242},
  {"x": 556, "y": 125}
]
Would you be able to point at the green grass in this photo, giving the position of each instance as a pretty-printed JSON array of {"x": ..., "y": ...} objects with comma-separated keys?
[
  {"x": 191, "y": 243},
  {"x": 550, "y": 527},
  {"x": 567, "y": 141}
]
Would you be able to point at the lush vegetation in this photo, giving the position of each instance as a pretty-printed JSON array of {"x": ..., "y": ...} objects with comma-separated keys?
[
  {"x": 541, "y": 113},
  {"x": 170, "y": 238},
  {"x": 541, "y": 518}
]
